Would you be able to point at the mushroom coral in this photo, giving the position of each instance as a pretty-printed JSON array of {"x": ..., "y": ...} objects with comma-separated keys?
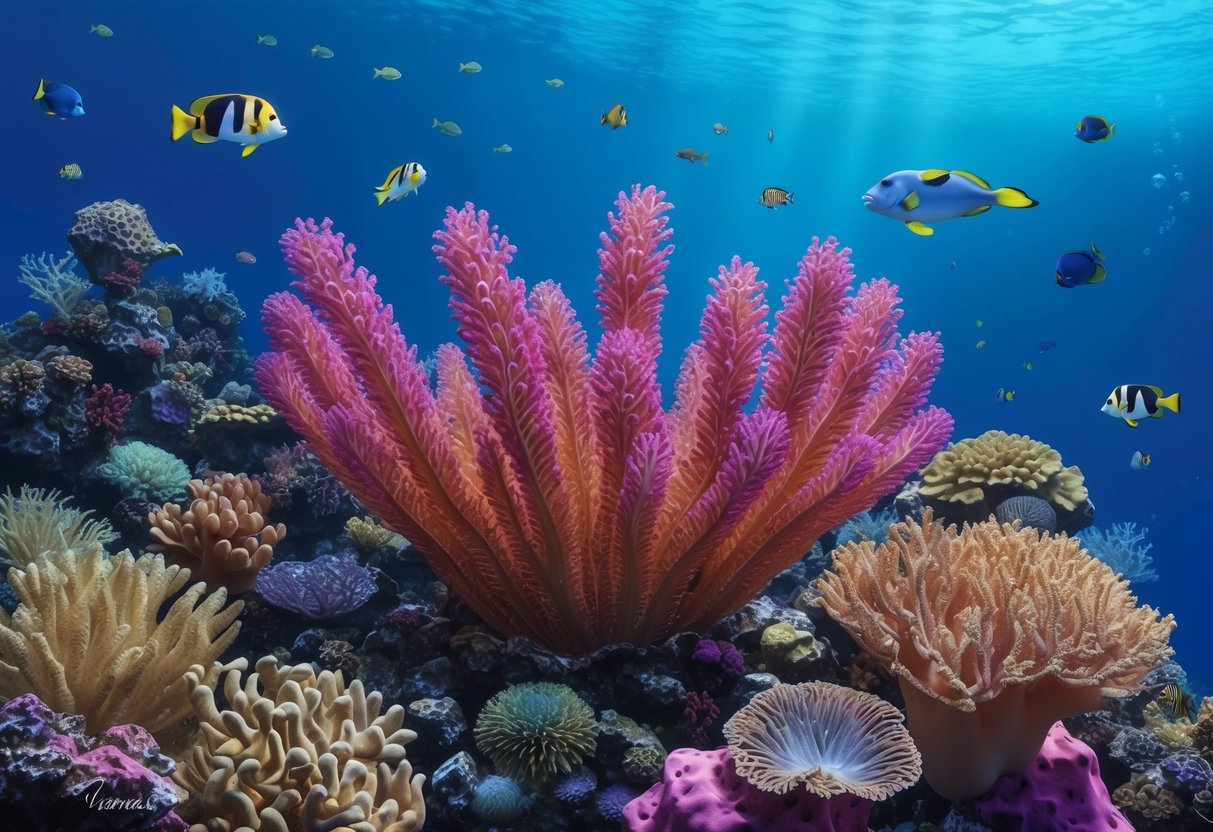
[{"x": 994, "y": 633}]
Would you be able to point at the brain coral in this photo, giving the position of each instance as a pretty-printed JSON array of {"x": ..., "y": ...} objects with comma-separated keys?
[
  {"x": 968, "y": 479},
  {"x": 105, "y": 234}
]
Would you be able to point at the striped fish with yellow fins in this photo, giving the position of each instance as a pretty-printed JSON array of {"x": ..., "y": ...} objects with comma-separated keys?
[
  {"x": 918, "y": 197},
  {"x": 232, "y": 117},
  {"x": 1175, "y": 702},
  {"x": 1134, "y": 402},
  {"x": 400, "y": 182}
]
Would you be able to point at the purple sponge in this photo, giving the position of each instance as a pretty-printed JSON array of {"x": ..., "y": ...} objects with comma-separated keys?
[
  {"x": 1061, "y": 791},
  {"x": 702, "y": 792}
]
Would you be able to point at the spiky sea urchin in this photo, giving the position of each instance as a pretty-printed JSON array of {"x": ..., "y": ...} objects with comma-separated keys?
[{"x": 534, "y": 730}]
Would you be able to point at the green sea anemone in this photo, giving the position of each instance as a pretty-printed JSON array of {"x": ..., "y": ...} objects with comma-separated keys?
[
  {"x": 499, "y": 801},
  {"x": 535, "y": 730}
]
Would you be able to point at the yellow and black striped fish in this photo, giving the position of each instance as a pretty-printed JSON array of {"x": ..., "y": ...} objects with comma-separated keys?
[
  {"x": 1175, "y": 703},
  {"x": 774, "y": 197},
  {"x": 232, "y": 117}
]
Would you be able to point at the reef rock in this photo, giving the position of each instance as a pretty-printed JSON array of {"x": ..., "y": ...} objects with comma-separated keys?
[{"x": 107, "y": 233}]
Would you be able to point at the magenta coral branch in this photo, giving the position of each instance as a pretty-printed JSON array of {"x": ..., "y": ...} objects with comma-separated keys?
[{"x": 550, "y": 488}]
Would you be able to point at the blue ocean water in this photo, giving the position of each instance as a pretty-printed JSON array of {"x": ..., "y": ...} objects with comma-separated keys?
[{"x": 852, "y": 92}]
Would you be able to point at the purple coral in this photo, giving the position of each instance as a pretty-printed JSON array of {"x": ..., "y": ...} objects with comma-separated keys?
[
  {"x": 168, "y": 404},
  {"x": 612, "y": 800},
  {"x": 55, "y": 778},
  {"x": 318, "y": 589},
  {"x": 722, "y": 654},
  {"x": 576, "y": 786},
  {"x": 699, "y": 714}
]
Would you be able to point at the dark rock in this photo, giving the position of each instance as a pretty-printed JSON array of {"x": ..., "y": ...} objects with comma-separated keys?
[{"x": 438, "y": 722}]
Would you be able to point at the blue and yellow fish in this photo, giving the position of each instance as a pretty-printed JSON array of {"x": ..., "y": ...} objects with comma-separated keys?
[
  {"x": 1078, "y": 268},
  {"x": 1139, "y": 461},
  {"x": 1175, "y": 702},
  {"x": 918, "y": 197},
  {"x": 1133, "y": 402},
  {"x": 245, "y": 119},
  {"x": 1094, "y": 129},
  {"x": 57, "y": 99}
]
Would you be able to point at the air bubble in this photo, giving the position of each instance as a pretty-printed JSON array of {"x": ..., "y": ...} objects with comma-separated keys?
[
  {"x": 1179, "y": 176},
  {"x": 1146, "y": 252},
  {"x": 1184, "y": 196},
  {"x": 1158, "y": 180},
  {"x": 1160, "y": 101}
]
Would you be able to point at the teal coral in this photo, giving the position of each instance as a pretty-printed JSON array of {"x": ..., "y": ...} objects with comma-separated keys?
[
  {"x": 499, "y": 800},
  {"x": 54, "y": 282},
  {"x": 534, "y": 730},
  {"x": 141, "y": 470},
  {"x": 1123, "y": 548}
]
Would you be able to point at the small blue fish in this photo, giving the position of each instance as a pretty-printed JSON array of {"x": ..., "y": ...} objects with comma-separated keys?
[
  {"x": 1094, "y": 129},
  {"x": 1139, "y": 461},
  {"x": 917, "y": 197},
  {"x": 1047, "y": 344},
  {"x": 58, "y": 99},
  {"x": 1078, "y": 268}
]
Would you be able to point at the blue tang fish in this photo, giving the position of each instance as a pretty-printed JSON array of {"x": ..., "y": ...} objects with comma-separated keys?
[
  {"x": 1078, "y": 268},
  {"x": 917, "y": 197},
  {"x": 58, "y": 99},
  {"x": 1094, "y": 129}
]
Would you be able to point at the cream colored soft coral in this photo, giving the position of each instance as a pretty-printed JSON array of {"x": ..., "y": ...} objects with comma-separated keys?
[{"x": 297, "y": 752}]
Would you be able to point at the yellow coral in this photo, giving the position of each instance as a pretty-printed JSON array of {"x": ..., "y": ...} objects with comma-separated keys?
[
  {"x": 87, "y": 640},
  {"x": 1175, "y": 734},
  {"x": 258, "y": 414},
  {"x": 961, "y": 471},
  {"x": 71, "y": 368},
  {"x": 297, "y": 752},
  {"x": 367, "y": 535},
  {"x": 37, "y": 522}
]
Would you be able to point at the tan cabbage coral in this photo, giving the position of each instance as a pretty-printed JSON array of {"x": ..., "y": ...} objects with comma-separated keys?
[
  {"x": 968, "y": 479},
  {"x": 86, "y": 638},
  {"x": 222, "y": 535},
  {"x": 297, "y": 752},
  {"x": 829, "y": 739},
  {"x": 36, "y": 522},
  {"x": 71, "y": 368},
  {"x": 994, "y": 633},
  {"x": 258, "y": 414}
]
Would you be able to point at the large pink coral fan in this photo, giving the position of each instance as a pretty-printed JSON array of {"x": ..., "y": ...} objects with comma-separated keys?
[{"x": 552, "y": 490}]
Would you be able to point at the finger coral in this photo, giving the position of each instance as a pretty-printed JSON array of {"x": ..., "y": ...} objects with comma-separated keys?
[
  {"x": 994, "y": 632},
  {"x": 222, "y": 535},
  {"x": 88, "y": 638},
  {"x": 549, "y": 488},
  {"x": 297, "y": 752}
]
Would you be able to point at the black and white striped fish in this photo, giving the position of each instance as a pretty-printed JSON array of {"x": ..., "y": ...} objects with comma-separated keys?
[
  {"x": 400, "y": 182},
  {"x": 1132, "y": 402},
  {"x": 232, "y": 117},
  {"x": 774, "y": 197}
]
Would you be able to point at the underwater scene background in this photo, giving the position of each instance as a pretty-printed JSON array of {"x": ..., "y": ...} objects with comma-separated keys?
[{"x": 821, "y": 100}]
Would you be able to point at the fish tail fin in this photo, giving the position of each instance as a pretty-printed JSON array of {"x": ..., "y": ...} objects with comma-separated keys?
[
  {"x": 376, "y": 73},
  {"x": 1112, "y": 130},
  {"x": 436, "y": 122},
  {"x": 704, "y": 158},
  {"x": 41, "y": 91},
  {"x": 1014, "y": 198},
  {"x": 92, "y": 29},
  {"x": 1170, "y": 402},
  {"x": 790, "y": 202},
  {"x": 381, "y": 197},
  {"x": 183, "y": 122}
]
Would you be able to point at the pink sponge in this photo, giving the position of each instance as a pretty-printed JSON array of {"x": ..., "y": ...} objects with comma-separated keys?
[
  {"x": 702, "y": 792},
  {"x": 1061, "y": 791}
]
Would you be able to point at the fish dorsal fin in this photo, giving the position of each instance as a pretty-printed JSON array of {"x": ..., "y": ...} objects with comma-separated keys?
[
  {"x": 1097, "y": 252},
  {"x": 1100, "y": 274},
  {"x": 198, "y": 105},
  {"x": 934, "y": 176},
  {"x": 911, "y": 201},
  {"x": 980, "y": 209},
  {"x": 387, "y": 183},
  {"x": 972, "y": 177},
  {"x": 1157, "y": 390}
]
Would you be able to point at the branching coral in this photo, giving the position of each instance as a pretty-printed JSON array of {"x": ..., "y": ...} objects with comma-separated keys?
[
  {"x": 1013, "y": 628},
  {"x": 54, "y": 282},
  {"x": 1123, "y": 548},
  {"x": 552, "y": 491},
  {"x": 88, "y": 638},
  {"x": 297, "y": 752},
  {"x": 829, "y": 739},
  {"x": 222, "y": 535},
  {"x": 37, "y": 522}
]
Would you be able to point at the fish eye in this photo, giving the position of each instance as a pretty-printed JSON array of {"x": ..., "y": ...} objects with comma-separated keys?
[
  {"x": 884, "y": 183},
  {"x": 1109, "y": 401},
  {"x": 273, "y": 118}
]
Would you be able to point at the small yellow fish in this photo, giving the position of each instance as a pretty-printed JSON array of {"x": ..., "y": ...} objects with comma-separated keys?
[
  {"x": 774, "y": 197},
  {"x": 505, "y": 148},
  {"x": 102, "y": 30},
  {"x": 388, "y": 73},
  {"x": 319, "y": 51},
  {"x": 617, "y": 117},
  {"x": 448, "y": 128},
  {"x": 1175, "y": 702},
  {"x": 71, "y": 172},
  {"x": 1004, "y": 395},
  {"x": 720, "y": 129},
  {"x": 979, "y": 323},
  {"x": 267, "y": 40},
  {"x": 470, "y": 67},
  {"x": 1027, "y": 365},
  {"x": 981, "y": 344},
  {"x": 554, "y": 83}
]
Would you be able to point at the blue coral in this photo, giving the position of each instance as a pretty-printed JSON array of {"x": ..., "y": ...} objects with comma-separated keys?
[
  {"x": 140, "y": 470},
  {"x": 499, "y": 800},
  {"x": 206, "y": 285},
  {"x": 612, "y": 799},
  {"x": 1124, "y": 549},
  {"x": 576, "y": 786}
]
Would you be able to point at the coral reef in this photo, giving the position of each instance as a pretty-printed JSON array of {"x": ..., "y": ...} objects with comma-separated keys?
[
  {"x": 88, "y": 638},
  {"x": 56, "y": 778},
  {"x": 633, "y": 523},
  {"x": 105, "y": 234},
  {"x": 969, "y": 479},
  {"x": 298, "y": 752},
  {"x": 222, "y": 536},
  {"x": 994, "y": 632}
]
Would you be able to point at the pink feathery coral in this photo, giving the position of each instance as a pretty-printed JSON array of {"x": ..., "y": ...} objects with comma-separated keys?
[{"x": 550, "y": 488}]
